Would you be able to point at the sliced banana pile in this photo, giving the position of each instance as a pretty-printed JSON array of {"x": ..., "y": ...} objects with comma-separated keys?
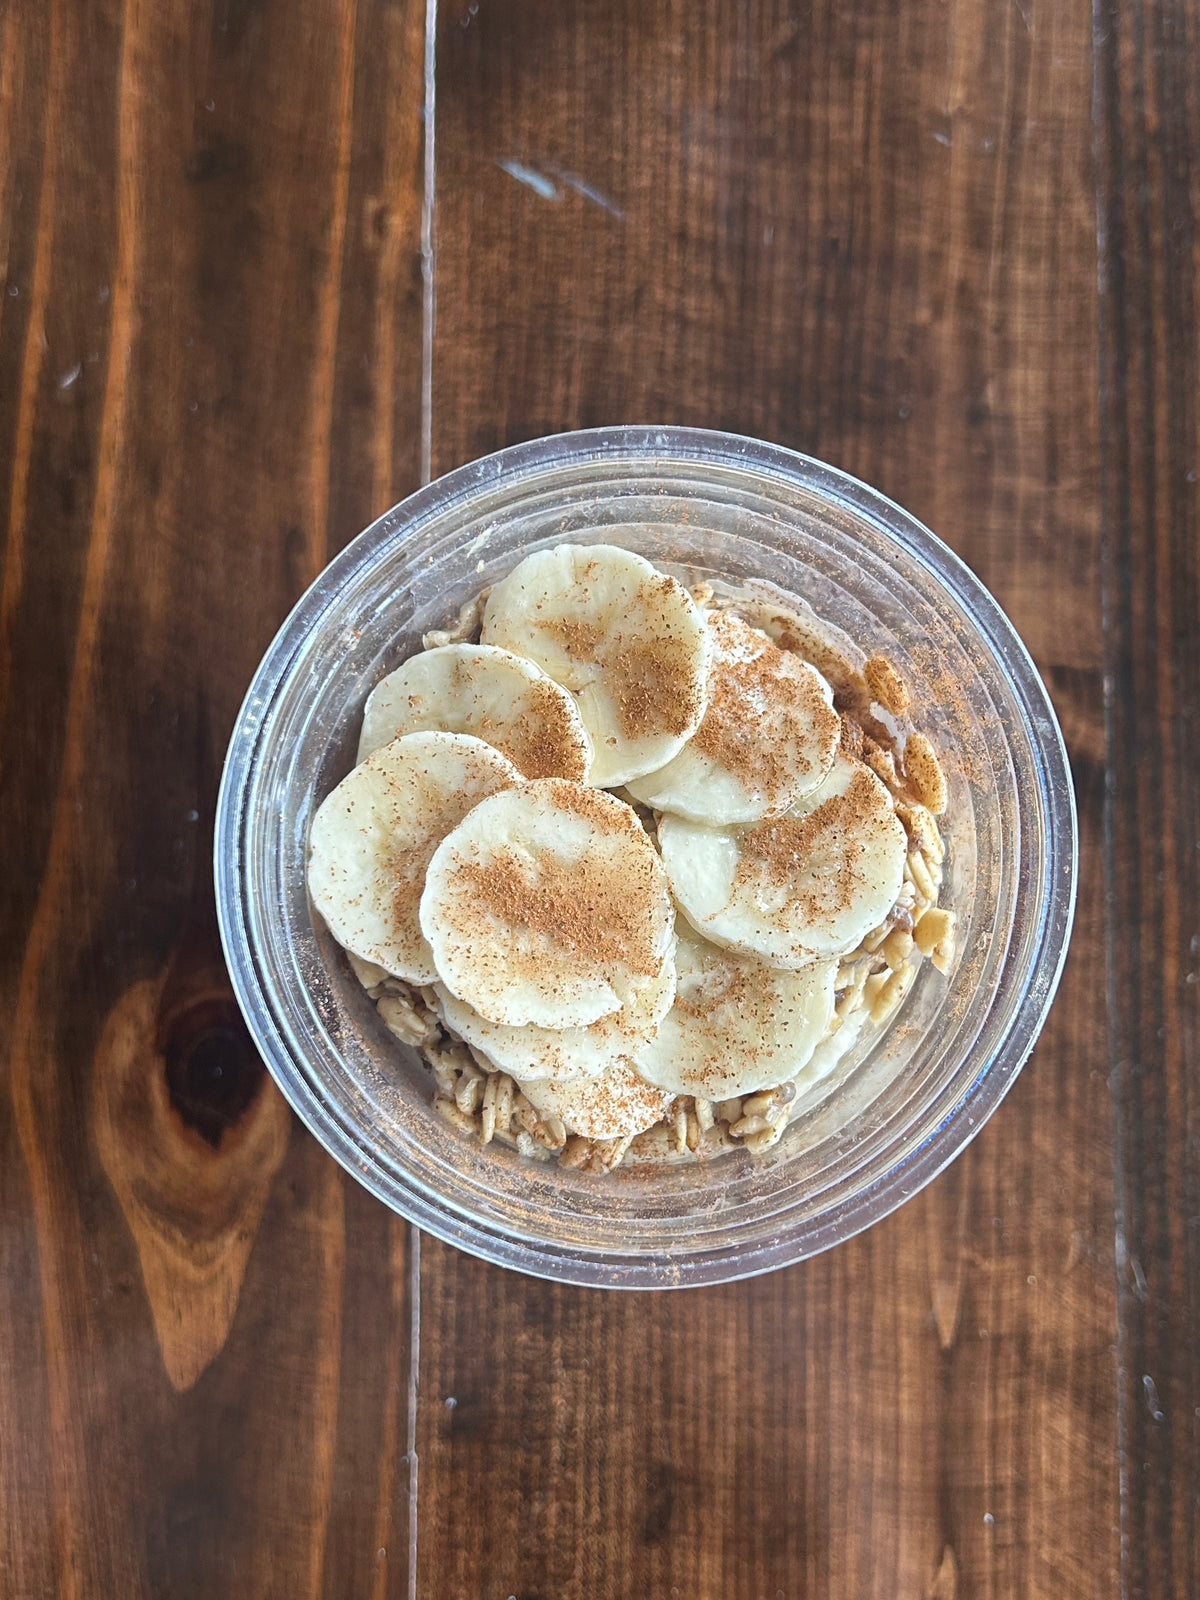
[
  {"x": 737, "y": 1025},
  {"x": 490, "y": 693},
  {"x": 627, "y": 640},
  {"x": 372, "y": 840},
  {"x": 615, "y": 1105},
  {"x": 532, "y": 1053},
  {"x": 475, "y": 851},
  {"x": 548, "y": 905},
  {"x": 767, "y": 738},
  {"x": 798, "y": 888}
]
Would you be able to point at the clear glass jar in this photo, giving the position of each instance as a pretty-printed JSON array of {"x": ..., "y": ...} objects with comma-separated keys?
[{"x": 905, "y": 1101}]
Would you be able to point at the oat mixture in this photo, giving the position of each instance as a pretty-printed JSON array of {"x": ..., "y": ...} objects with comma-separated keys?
[{"x": 476, "y": 1096}]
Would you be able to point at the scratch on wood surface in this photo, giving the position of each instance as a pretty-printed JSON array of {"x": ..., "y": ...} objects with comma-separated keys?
[
  {"x": 588, "y": 191},
  {"x": 428, "y": 328},
  {"x": 30, "y": 1060},
  {"x": 329, "y": 304},
  {"x": 544, "y": 183},
  {"x": 531, "y": 178}
]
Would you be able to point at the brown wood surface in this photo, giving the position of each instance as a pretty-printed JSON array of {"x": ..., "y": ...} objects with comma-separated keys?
[
  {"x": 1149, "y": 186},
  {"x": 949, "y": 246}
]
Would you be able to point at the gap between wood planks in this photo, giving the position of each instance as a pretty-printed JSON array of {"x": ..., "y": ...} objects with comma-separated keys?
[
  {"x": 428, "y": 314},
  {"x": 1104, "y": 333}
]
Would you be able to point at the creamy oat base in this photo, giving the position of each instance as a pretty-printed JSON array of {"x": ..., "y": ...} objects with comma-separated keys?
[{"x": 474, "y": 1094}]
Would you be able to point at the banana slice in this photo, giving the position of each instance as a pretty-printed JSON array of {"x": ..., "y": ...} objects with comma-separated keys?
[
  {"x": 737, "y": 1025},
  {"x": 373, "y": 836},
  {"x": 626, "y": 639},
  {"x": 768, "y": 737},
  {"x": 493, "y": 694},
  {"x": 802, "y": 887},
  {"x": 613, "y": 1106},
  {"x": 531, "y": 1054},
  {"x": 547, "y": 905}
]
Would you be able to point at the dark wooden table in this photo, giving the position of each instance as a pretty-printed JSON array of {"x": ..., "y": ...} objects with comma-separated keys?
[{"x": 950, "y": 246}]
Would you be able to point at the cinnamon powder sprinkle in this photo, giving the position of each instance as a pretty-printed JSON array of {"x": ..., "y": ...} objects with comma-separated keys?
[
  {"x": 792, "y": 635},
  {"x": 597, "y": 807},
  {"x": 544, "y": 744},
  {"x": 648, "y": 668},
  {"x": 588, "y": 906},
  {"x": 409, "y": 881},
  {"x": 746, "y": 988},
  {"x": 783, "y": 844},
  {"x": 766, "y": 711},
  {"x": 886, "y": 686},
  {"x": 577, "y": 637},
  {"x": 785, "y": 847},
  {"x": 613, "y": 1105},
  {"x": 924, "y": 773},
  {"x": 851, "y": 743},
  {"x": 655, "y": 686}
]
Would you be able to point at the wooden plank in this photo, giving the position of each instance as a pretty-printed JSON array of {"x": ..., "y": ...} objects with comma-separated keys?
[
  {"x": 868, "y": 232},
  {"x": 1149, "y": 183},
  {"x": 210, "y": 363}
]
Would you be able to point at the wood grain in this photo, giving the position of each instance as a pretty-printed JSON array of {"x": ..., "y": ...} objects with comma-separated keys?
[
  {"x": 1149, "y": 183},
  {"x": 210, "y": 229},
  {"x": 872, "y": 239},
  {"x": 875, "y": 232}
]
